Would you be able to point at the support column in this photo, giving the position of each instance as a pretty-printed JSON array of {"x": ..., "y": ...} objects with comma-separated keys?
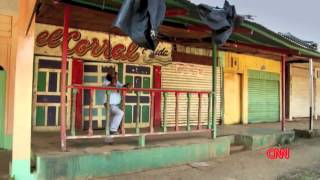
[
  {"x": 64, "y": 77},
  {"x": 283, "y": 92},
  {"x": 214, "y": 81},
  {"x": 22, "y": 54},
  {"x": 311, "y": 94}
]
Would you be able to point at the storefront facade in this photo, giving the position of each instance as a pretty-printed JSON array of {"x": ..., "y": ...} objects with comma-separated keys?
[
  {"x": 251, "y": 89},
  {"x": 299, "y": 92},
  {"x": 88, "y": 62}
]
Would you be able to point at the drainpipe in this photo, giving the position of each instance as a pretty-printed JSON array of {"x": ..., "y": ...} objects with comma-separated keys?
[
  {"x": 311, "y": 94},
  {"x": 214, "y": 81}
]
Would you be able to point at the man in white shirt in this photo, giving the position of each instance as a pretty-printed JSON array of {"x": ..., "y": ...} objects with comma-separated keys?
[{"x": 116, "y": 114}]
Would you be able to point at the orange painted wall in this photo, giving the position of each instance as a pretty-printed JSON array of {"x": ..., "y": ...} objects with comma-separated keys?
[
  {"x": 7, "y": 60},
  {"x": 13, "y": 24}
]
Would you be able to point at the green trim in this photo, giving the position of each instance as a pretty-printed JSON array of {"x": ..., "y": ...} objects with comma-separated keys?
[
  {"x": 86, "y": 112},
  {"x": 90, "y": 79},
  {"x": 254, "y": 74},
  {"x": 3, "y": 80},
  {"x": 142, "y": 141},
  {"x": 263, "y": 96},
  {"x": 165, "y": 95},
  {"x": 257, "y": 138},
  {"x": 82, "y": 165},
  {"x": 238, "y": 36},
  {"x": 40, "y": 116},
  {"x": 129, "y": 79},
  {"x": 88, "y": 3},
  {"x": 188, "y": 111},
  {"x": 128, "y": 114},
  {"x": 5, "y": 139},
  {"x": 214, "y": 87},
  {"x": 145, "y": 114},
  {"x": 120, "y": 72},
  {"x": 277, "y": 38},
  {"x": 42, "y": 79},
  {"x": 99, "y": 97},
  {"x": 221, "y": 55},
  {"x": 6, "y": 142},
  {"x": 21, "y": 169}
]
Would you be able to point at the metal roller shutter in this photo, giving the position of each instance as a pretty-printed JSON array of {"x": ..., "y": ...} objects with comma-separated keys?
[
  {"x": 185, "y": 76},
  {"x": 264, "y": 97},
  {"x": 299, "y": 104}
]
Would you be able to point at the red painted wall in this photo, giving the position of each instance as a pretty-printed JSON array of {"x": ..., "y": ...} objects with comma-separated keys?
[
  {"x": 157, "y": 97},
  {"x": 77, "y": 78}
]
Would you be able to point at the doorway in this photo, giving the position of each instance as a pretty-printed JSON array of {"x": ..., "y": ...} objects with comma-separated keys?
[{"x": 232, "y": 98}]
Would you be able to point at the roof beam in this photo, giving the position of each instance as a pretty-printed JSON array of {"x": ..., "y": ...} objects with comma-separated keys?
[
  {"x": 174, "y": 12},
  {"x": 265, "y": 48}
]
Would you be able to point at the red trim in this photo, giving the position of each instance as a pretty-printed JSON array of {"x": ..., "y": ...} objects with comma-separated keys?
[
  {"x": 63, "y": 135},
  {"x": 176, "y": 12},
  {"x": 157, "y": 96},
  {"x": 239, "y": 45},
  {"x": 80, "y": 86},
  {"x": 77, "y": 78}
]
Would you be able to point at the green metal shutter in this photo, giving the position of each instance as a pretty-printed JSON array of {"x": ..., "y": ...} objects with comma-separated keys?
[{"x": 264, "y": 100}]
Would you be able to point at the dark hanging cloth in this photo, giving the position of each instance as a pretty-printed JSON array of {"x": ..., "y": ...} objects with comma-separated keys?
[
  {"x": 140, "y": 20},
  {"x": 221, "y": 21}
]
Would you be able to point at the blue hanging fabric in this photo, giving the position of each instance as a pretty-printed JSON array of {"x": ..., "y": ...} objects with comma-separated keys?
[
  {"x": 140, "y": 20},
  {"x": 221, "y": 21}
]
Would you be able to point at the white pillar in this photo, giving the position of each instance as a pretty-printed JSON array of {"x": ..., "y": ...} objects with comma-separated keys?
[{"x": 311, "y": 94}]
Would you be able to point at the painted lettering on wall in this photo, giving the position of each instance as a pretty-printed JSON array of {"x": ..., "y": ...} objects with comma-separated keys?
[{"x": 98, "y": 46}]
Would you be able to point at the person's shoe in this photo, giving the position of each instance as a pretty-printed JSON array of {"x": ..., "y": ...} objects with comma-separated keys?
[{"x": 114, "y": 133}]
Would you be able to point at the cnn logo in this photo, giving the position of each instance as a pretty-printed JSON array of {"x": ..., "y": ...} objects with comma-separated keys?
[{"x": 278, "y": 153}]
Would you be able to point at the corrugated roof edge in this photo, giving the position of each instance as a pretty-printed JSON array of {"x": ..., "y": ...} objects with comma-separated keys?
[{"x": 276, "y": 37}]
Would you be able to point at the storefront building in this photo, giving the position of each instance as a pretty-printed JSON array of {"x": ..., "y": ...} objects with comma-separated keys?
[
  {"x": 251, "y": 89},
  {"x": 299, "y": 93},
  {"x": 89, "y": 60}
]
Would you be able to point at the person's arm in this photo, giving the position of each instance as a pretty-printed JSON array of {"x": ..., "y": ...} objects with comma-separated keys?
[{"x": 120, "y": 85}]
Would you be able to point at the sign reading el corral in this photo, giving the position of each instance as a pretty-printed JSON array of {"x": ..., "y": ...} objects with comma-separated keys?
[{"x": 98, "y": 46}]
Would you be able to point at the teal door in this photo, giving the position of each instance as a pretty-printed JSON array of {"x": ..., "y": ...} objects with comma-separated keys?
[{"x": 264, "y": 97}]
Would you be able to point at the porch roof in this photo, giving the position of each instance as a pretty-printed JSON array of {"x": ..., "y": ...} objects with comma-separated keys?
[{"x": 187, "y": 28}]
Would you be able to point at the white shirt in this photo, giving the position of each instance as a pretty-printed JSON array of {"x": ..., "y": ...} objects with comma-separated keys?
[{"x": 115, "y": 97}]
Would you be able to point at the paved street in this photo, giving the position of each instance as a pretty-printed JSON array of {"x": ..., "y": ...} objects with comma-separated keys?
[{"x": 304, "y": 163}]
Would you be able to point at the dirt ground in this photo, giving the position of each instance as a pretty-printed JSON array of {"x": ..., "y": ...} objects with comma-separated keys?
[{"x": 304, "y": 163}]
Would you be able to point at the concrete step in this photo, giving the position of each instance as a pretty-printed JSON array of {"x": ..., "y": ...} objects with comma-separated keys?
[{"x": 236, "y": 148}]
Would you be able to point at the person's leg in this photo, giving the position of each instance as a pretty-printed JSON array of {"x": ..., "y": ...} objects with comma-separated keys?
[{"x": 116, "y": 117}]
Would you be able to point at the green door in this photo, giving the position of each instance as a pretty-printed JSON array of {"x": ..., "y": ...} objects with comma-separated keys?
[
  {"x": 141, "y": 77},
  {"x": 264, "y": 97},
  {"x": 3, "y": 79}
]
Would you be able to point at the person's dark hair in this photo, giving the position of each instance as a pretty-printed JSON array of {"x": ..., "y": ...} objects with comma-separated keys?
[{"x": 109, "y": 77}]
